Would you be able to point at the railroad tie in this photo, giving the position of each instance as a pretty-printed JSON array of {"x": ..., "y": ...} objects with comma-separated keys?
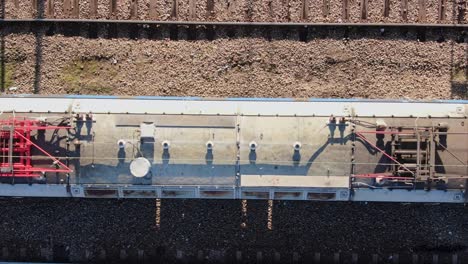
[
  {"x": 288, "y": 10},
  {"x": 47, "y": 254},
  {"x": 210, "y": 8},
  {"x": 94, "y": 8},
  {"x": 175, "y": 9},
  {"x": 461, "y": 9},
  {"x": 113, "y": 8},
  {"x": 5, "y": 253},
  {"x": 345, "y": 12},
  {"x": 336, "y": 257},
  {"x": 442, "y": 10},
  {"x": 76, "y": 8},
  {"x": 386, "y": 8},
  {"x": 200, "y": 255},
  {"x": 326, "y": 8},
  {"x": 259, "y": 257},
  {"x": 364, "y": 9},
  {"x": 34, "y": 8},
  {"x": 296, "y": 257},
  {"x": 67, "y": 8},
  {"x": 404, "y": 10},
  {"x": 134, "y": 9},
  {"x": 238, "y": 256},
  {"x": 50, "y": 10},
  {"x": 192, "y": 9},
  {"x": 141, "y": 254},
  {"x": 305, "y": 10},
  {"x": 179, "y": 254},
  {"x": 87, "y": 254},
  {"x": 277, "y": 257},
  {"x": 316, "y": 257},
  {"x": 231, "y": 7},
  {"x": 23, "y": 253},
  {"x": 102, "y": 255},
  {"x": 422, "y": 11},
  {"x": 153, "y": 11},
  {"x": 123, "y": 254}
]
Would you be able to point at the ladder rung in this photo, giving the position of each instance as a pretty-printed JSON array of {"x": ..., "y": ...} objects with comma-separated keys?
[
  {"x": 407, "y": 151},
  {"x": 409, "y": 165},
  {"x": 408, "y": 139},
  {"x": 420, "y": 171}
]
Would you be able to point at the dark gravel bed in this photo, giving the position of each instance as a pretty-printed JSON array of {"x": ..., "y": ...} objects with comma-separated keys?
[{"x": 211, "y": 229}]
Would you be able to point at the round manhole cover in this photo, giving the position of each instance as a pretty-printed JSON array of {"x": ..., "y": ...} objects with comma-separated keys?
[{"x": 140, "y": 167}]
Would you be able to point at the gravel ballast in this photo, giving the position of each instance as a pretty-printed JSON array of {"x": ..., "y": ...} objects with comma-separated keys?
[
  {"x": 215, "y": 228},
  {"x": 365, "y": 68}
]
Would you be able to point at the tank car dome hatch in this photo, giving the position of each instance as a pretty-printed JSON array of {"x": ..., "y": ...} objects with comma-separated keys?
[
  {"x": 297, "y": 146},
  {"x": 166, "y": 144},
  {"x": 253, "y": 145},
  {"x": 140, "y": 167},
  {"x": 443, "y": 126},
  {"x": 209, "y": 145},
  {"x": 121, "y": 143},
  {"x": 380, "y": 125}
]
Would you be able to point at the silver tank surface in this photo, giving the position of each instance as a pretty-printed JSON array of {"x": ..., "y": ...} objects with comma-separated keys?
[{"x": 316, "y": 149}]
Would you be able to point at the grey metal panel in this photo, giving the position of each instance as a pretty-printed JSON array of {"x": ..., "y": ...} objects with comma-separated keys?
[
  {"x": 34, "y": 190},
  {"x": 369, "y": 160},
  {"x": 177, "y": 120},
  {"x": 294, "y": 181},
  {"x": 320, "y": 155},
  {"x": 213, "y": 107},
  {"x": 417, "y": 196},
  {"x": 187, "y": 161},
  {"x": 188, "y": 169},
  {"x": 40, "y": 190}
]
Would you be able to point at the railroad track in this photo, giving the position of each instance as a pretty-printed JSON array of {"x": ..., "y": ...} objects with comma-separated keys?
[
  {"x": 242, "y": 24},
  {"x": 53, "y": 253},
  {"x": 193, "y": 30},
  {"x": 207, "y": 19},
  {"x": 324, "y": 11}
]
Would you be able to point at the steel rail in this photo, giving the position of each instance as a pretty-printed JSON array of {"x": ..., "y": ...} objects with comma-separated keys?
[{"x": 220, "y": 23}]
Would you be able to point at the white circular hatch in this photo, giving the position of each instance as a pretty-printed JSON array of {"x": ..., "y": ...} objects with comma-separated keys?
[{"x": 139, "y": 167}]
